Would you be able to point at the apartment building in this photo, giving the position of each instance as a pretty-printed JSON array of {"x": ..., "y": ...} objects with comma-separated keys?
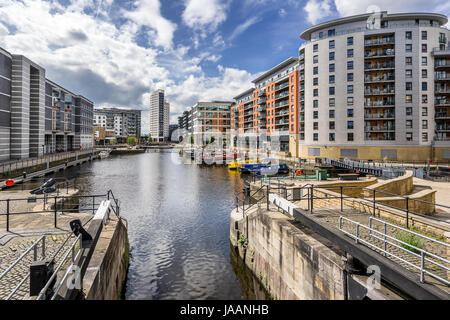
[
  {"x": 375, "y": 87},
  {"x": 211, "y": 117},
  {"x": 123, "y": 123},
  {"x": 159, "y": 116},
  {"x": 37, "y": 116}
]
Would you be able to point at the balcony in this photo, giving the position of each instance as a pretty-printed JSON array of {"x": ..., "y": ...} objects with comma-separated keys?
[
  {"x": 442, "y": 115},
  {"x": 387, "y": 77},
  {"x": 439, "y": 63},
  {"x": 282, "y": 104},
  {"x": 386, "y": 53},
  {"x": 282, "y": 86},
  {"x": 282, "y": 95},
  {"x": 442, "y": 77},
  {"x": 379, "y": 116},
  {"x": 442, "y": 103},
  {"x": 386, "y": 65},
  {"x": 261, "y": 109},
  {"x": 281, "y": 114},
  {"x": 379, "y": 103},
  {"x": 379, "y": 129},
  {"x": 380, "y": 92},
  {"x": 261, "y": 93},
  {"x": 442, "y": 90},
  {"x": 378, "y": 42}
]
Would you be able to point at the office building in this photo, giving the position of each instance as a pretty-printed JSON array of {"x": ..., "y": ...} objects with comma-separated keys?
[{"x": 159, "y": 116}]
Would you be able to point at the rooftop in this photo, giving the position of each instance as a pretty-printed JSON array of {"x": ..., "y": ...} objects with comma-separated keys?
[{"x": 282, "y": 65}]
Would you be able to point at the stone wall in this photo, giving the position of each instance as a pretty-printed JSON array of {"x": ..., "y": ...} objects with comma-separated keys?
[
  {"x": 290, "y": 260},
  {"x": 402, "y": 185},
  {"x": 107, "y": 270}
]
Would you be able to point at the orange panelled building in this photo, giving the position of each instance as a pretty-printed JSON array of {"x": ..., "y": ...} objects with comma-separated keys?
[{"x": 272, "y": 105}]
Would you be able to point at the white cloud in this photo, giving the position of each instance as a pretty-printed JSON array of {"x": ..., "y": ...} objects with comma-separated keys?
[
  {"x": 282, "y": 12},
  {"x": 148, "y": 13},
  {"x": 317, "y": 9},
  {"x": 243, "y": 27},
  {"x": 204, "y": 15}
]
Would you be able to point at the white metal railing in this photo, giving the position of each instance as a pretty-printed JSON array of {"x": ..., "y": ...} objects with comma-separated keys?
[{"x": 388, "y": 240}]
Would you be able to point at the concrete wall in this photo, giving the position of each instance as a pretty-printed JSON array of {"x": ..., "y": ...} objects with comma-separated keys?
[
  {"x": 107, "y": 270},
  {"x": 291, "y": 261}
]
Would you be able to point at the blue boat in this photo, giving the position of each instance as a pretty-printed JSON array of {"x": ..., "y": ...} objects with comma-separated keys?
[{"x": 266, "y": 166}]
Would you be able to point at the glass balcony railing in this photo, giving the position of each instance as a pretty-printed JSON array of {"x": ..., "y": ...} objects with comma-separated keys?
[{"x": 380, "y": 41}]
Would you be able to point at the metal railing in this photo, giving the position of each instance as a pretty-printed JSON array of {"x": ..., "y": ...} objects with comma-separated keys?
[
  {"x": 59, "y": 204},
  {"x": 390, "y": 246}
]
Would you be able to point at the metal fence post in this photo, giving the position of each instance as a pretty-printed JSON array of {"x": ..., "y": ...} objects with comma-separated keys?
[
  {"x": 267, "y": 197},
  {"x": 312, "y": 198},
  {"x": 407, "y": 212},
  {"x": 342, "y": 200},
  {"x": 385, "y": 244},
  {"x": 422, "y": 266},
  {"x": 55, "y": 218},
  {"x": 7, "y": 215},
  {"x": 357, "y": 232},
  {"x": 374, "y": 202}
]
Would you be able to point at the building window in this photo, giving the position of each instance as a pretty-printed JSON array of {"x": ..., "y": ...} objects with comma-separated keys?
[
  {"x": 315, "y": 70},
  {"x": 349, "y": 124},
  {"x": 349, "y": 41},
  {"x": 315, "y": 114},
  {"x": 350, "y": 136},
  {"x": 424, "y": 47},
  {"x": 331, "y": 125},
  {"x": 408, "y": 98},
  {"x": 350, "y": 113},
  {"x": 409, "y": 124},
  {"x": 424, "y": 124},
  {"x": 331, "y": 136},
  {"x": 316, "y": 48},
  {"x": 409, "y": 111},
  {"x": 331, "y": 113},
  {"x": 424, "y": 136},
  {"x": 408, "y": 35},
  {"x": 349, "y": 76},
  {"x": 331, "y": 56},
  {"x": 331, "y": 91},
  {"x": 424, "y": 73},
  {"x": 424, "y": 86},
  {"x": 408, "y": 86},
  {"x": 424, "y": 35},
  {"x": 315, "y": 59},
  {"x": 350, "y": 65},
  {"x": 332, "y": 102},
  {"x": 315, "y": 81},
  {"x": 331, "y": 44},
  {"x": 315, "y": 103},
  {"x": 424, "y": 98},
  {"x": 315, "y": 136},
  {"x": 316, "y": 92},
  {"x": 408, "y": 47},
  {"x": 409, "y": 136},
  {"x": 408, "y": 73},
  {"x": 315, "y": 126},
  {"x": 331, "y": 67},
  {"x": 408, "y": 61},
  {"x": 349, "y": 89},
  {"x": 424, "y": 61},
  {"x": 350, "y": 53},
  {"x": 331, "y": 32},
  {"x": 331, "y": 78},
  {"x": 424, "y": 111},
  {"x": 349, "y": 101}
]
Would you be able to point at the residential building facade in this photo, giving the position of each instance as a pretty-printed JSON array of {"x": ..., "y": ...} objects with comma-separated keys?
[
  {"x": 123, "y": 123},
  {"x": 38, "y": 116},
  {"x": 159, "y": 116},
  {"x": 375, "y": 91}
]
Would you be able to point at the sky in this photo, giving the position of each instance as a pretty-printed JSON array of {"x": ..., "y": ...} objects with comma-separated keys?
[{"x": 116, "y": 52}]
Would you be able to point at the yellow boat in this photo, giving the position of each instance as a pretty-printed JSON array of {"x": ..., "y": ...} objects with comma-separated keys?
[{"x": 236, "y": 164}]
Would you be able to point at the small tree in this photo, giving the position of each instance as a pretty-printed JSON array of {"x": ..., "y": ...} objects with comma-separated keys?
[
  {"x": 131, "y": 141},
  {"x": 150, "y": 139}
]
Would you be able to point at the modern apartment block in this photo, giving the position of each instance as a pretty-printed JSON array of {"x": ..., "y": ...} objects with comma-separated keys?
[
  {"x": 211, "y": 116},
  {"x": 36, "y": 115},
  {"x": 376, "y": 90},
  {"x": 123, "y": 122},
  {"x": 159, "y": 116}
]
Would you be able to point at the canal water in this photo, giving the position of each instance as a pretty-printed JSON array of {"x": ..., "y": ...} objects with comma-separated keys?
[{"x": 178, "y": 225}]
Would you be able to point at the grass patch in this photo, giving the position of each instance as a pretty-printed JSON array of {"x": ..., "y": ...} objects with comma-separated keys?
[{"x": 414, "y": 242}]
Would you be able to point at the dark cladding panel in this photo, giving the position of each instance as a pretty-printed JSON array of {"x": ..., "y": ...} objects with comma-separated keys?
[
  {"x": 5, "y": 119},
  {"x": 5, "y": 66},
  {"x": 5, "y": 102}
]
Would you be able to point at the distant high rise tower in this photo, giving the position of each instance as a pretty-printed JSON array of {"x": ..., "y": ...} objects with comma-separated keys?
[{"x": 159, "y": 116}]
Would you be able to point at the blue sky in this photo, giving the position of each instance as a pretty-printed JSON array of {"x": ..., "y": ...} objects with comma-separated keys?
[{"x": 116, "y": 52}]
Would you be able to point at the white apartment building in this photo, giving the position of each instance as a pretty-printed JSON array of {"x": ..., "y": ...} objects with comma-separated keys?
[{"x": 376, "y": 90}]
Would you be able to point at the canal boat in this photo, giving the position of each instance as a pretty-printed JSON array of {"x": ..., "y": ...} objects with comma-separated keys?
[
  {"x": 104, "y": 154},
  {"x": 265, "y": 167}
]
